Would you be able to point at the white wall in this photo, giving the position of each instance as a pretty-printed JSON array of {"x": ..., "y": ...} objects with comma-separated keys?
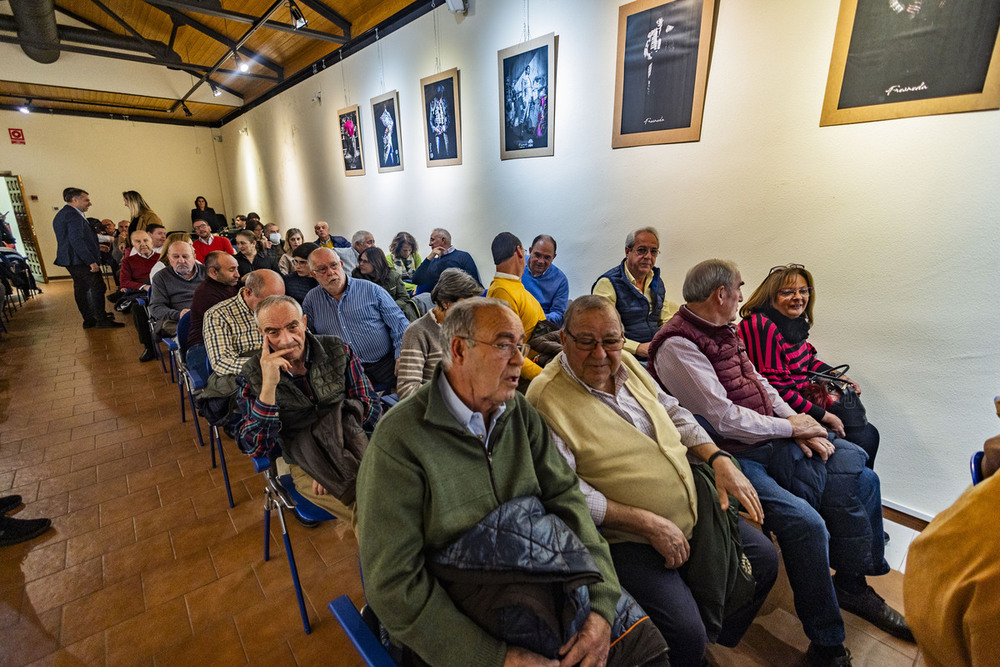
[
  {"x": 169, "y": 165},
  {"x": 895, "y": 219}
]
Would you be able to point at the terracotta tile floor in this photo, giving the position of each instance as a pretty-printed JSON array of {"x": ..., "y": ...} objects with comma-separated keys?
[{"x": 146, "y": 564}]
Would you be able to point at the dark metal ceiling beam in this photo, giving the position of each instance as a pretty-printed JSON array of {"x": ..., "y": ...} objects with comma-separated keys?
[
  {"x": 68, "y": 100},
  {"x": 180, "y": 18},
  {"x": 257, "y": 25},
  {"x": 333, "y": 17},
  {"x": 150, "y": 48},
  {"x": 238, "y": 17},
  {"x": 190, "y": 67}
]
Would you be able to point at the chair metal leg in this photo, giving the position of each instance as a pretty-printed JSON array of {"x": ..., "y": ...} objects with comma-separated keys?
[
  {"x": 180, "y": 390},
  {"x": 194, "y": 415},
  {"x": 269, "y": 504},
  {"x": 222, "y": 462},
  {"x": 295, "y": 572},
  {"x": 212, "y": 431}
]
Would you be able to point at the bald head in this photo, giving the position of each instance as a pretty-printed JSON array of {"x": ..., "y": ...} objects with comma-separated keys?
[{"x": 261, "y": 284}]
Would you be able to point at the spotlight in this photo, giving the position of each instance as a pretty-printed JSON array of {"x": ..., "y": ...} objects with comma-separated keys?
[
  {"x": 240, "y": 65},
  {"x": 26, "y": 107},
  {"x": 215, "y": 90},
  {"x": 187, "y": 112},
  {"x": 298, "y": 20}
]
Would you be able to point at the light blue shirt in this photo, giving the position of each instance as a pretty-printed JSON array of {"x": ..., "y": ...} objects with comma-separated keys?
[
  {"x": 473, "y": 421},
  {"x": 366, "y": 318}
]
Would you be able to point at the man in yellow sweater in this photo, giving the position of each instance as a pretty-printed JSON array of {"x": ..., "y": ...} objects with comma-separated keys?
[
  {"x": 951, "y": 588},
  {"x": 629, "y": 442},
  {"x": 508, "y": 256}
]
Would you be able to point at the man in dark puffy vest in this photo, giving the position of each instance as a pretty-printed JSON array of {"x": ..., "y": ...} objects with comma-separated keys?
[
  {"x": 634, "y": 286},
  {"x": 822, "y": 503},
  {"x": 309, "y": 395}
]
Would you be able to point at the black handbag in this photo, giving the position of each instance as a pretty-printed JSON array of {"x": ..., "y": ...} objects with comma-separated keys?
[{"x": 842, "y": 399}]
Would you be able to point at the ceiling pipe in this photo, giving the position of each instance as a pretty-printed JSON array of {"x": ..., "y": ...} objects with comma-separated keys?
[
  {"x": 36, "y": 23},
  {"x": 70, "y": 35}
]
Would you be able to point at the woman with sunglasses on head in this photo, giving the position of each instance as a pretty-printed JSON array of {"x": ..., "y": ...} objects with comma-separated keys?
[{"x": 775, "y": 327}]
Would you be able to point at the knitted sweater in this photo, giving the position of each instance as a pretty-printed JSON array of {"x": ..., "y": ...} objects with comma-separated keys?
[
  {"x": 169, "y": 293},
  {"x": 424, "y": 481},
  {"x": 419, "y": 354}
]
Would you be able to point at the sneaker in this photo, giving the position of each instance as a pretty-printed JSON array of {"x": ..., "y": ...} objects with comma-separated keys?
[
  {"x": 870, "y": 606},
  {"x": 828, "y": 656},
  {"x": 15, "y": 531},
  {"x": 7, "y": 503}
]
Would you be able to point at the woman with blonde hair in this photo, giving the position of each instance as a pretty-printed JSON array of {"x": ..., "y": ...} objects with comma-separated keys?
[
  {"x": 776, "y": 322},
  {"x": 141, "y": 214}
]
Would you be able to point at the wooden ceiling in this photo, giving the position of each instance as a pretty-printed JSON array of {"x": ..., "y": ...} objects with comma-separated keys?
[{"x": 194, "y": 36}]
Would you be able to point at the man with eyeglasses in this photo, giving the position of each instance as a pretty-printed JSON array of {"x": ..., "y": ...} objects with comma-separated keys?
[
  {"x": 360, "y": 313},
  {"x": 819, "y": 499},
  {"x": 207, "y": 242},
  {"x": 675, "y": 536},
  {"x": 634, "y": 286},
  {"x": 447, "y": 456}
]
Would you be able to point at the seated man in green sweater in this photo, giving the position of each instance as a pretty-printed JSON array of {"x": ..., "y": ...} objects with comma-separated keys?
[{"x": 451, "y": 453}]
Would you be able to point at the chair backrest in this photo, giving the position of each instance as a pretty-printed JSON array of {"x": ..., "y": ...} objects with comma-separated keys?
[
  {"x": 183, "y": 327},
  {"x": 976, "y": 467},
  {"x": 368, "y": 646}
]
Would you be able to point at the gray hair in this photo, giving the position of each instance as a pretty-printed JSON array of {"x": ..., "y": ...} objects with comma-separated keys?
[
  {"x": 630, "y": 239},
  {"x": 360, "y": 235},
  {"x": 589, "y": 303},
  {"x": 460, "y": 322},
  {"x": 453, "y": 286},
  {"x": 706, "y": 277},
  {"x": 276, "y": 300},
  {"x": 443, "y": 233}
]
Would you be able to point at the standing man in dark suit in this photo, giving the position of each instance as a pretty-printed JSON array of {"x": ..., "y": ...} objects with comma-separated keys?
[{"x": 80, "y": 254}]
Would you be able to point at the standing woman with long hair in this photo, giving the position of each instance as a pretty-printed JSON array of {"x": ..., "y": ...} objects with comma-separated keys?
[{"x": 141, "y": 214}]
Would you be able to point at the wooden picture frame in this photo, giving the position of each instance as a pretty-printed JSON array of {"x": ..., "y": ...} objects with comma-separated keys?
[
  {"x": 442, "y": 118},
  {"x": 388, "y": 133},
  {"x": 526, "y": 75},
  {"x": 906, "y": 58},
  {"x": 349, "y": 122},
  {"x": 661, "y": 71}
]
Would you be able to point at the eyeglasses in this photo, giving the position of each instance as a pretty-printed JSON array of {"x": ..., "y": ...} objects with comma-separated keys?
[
  {"x": 506, "y": 349},
  {"x": 786, "y": 266},
  {"x": 791, "y": 291},
  {"x": 588, "y": 344},
  {"x": 643, "y": 250}
]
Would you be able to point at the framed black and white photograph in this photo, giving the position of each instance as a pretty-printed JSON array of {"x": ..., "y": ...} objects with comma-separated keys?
[
  {"x": 388, "y": 136},
  {"x": 349, "y": 120},
  {"x": 442, "y": 118},
  {"x": 527, "y": 98},
  {"x": 661, "y": 71},
  {"x": 904, "y": 58}
]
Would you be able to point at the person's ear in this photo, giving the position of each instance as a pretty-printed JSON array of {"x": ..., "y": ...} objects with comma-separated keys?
[{"x": 458, "y": 348}]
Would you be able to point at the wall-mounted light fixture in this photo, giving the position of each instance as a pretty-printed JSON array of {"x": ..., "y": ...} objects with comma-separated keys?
[{"x": 26, "y": 107}]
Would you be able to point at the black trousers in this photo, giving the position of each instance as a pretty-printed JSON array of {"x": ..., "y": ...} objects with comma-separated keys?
[
  {"x": 88, "y": 290},
  {"x": 381, "y": 373}
]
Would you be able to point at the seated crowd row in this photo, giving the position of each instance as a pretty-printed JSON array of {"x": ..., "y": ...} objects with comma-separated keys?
[{"x": 603, "y": 434}]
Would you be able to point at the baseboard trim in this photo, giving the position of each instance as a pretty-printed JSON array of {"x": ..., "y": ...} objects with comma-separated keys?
[{"x": 904, "y": 516}]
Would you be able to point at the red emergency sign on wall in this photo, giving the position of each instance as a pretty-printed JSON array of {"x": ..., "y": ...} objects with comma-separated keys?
[{"x": 16, "y": 135}]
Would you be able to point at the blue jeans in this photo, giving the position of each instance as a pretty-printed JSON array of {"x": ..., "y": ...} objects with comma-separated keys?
[{"x": 804, "y": 540}]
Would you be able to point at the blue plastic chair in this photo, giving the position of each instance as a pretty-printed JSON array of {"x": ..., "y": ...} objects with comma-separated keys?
[
  {"x": 280, "y": 494},
  {"x": 192, "y": 383},
  {"x": 367, "y": 644},
  {"x": 976, "y": 467}
]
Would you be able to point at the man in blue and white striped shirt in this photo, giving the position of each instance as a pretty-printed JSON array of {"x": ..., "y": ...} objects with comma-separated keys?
[{"x": 359, "y": 312}]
